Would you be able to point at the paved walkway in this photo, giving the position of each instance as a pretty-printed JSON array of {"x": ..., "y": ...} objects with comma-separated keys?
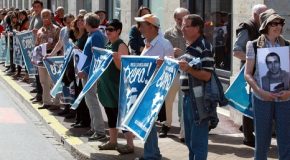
[{"x": 225, "y": 142}]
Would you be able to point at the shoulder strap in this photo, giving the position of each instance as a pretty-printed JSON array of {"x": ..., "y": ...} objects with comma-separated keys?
[{"x": 255, "y": 50}]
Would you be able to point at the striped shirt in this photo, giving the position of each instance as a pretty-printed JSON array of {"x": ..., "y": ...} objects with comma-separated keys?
[{"x": 201, "y": 50}]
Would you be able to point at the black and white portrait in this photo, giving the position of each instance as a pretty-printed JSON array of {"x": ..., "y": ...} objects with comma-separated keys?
[
  {"x": 79, "y": 59},
  {"x": 220, "y": 35},
  {"x": 38, "y": 53},
  {"x": 274, "y": 72}
]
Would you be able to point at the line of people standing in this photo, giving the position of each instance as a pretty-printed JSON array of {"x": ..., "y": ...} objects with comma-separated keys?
[{"x": 184, "y": 41}]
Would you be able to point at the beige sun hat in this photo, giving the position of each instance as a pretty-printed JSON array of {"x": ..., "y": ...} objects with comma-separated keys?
[
  {"x": 150, "y": 18},
  {"x": 267, "y": 17}
]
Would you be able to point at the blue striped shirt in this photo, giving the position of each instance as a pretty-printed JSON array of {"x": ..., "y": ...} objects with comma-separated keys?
[{"x": 203, "y": 50}]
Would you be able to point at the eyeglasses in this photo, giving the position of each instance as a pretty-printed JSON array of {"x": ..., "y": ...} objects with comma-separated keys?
[
  {"x": 110, "y": 29},
  {"x": 274, "y": 24}
]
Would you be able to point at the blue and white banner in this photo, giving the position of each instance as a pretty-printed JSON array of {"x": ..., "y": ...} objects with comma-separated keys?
[
  {"x": 68, "y": 93},
  {"x": 135, "y": 74},
  {"x": 17, "y": 55},
  {"x": 3, "y": 49},
  {"x": 238, "y": 95},
  {"x": 7, "y": 56},
  {"x": 100, "y": 62},
  {"x": 144, "y": 111},
  {"x": 27, "y": 44},
  {"x": 58, "y": 87},
  {"x": 54, "y": 67}
]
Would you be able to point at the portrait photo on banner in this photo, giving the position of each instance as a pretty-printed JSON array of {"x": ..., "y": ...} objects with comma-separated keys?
[
  {"x": 273, "y": 65},
  {"x": 38, "y": 53}
]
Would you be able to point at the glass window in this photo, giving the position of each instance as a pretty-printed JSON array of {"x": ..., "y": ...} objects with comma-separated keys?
[
  {"x": 113, "y": 8},
  {"x": 87, "y": 5},
  {"x": 117, "y": 9},
  {"x": 158, "y": 8},
  {"x": 26, "y": 4},
  {"x": 143, "y": 3},
  {"x": 217, "y": 28},
  {"x": 19, "y": 5}
]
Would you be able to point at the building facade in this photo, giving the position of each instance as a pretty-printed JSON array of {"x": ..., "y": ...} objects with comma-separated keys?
[{"x": 221, "y": 20}]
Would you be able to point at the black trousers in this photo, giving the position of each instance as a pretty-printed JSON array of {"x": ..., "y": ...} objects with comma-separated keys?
[
  {"x": 38, "y": 86},
  {"x": 248, "y": 129},
  {"x": 82, "y": 112},
  {"x": 162, "y": 113}
]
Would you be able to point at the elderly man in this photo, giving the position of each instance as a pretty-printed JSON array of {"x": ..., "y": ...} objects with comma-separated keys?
[
  {"x": 174, "y": 35},
  {"x": 191, "y": 81},
  {"x": 59, "y": 15},
  {"x": 96, "y": 39},
  {"x": 63, "y": 39},
  {"x": 248, "y": 31},
  {"x": 48, "y": 33},
  {"x": 64, "y": 35},
  {"x": 155, "y": 45}
]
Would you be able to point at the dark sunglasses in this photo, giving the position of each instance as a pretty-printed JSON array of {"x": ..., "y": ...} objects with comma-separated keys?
[
  {"x": 274, "y": 24},
  {"x": 110, "y": 29}
]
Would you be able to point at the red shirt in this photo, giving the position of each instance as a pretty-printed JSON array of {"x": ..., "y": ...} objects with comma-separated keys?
[
  {"x": 1, "y": 28},
  {"x": 58, "y": 21}
]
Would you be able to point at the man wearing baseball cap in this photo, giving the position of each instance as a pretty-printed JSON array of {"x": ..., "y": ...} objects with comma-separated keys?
[{"x": 155, "y": 45}]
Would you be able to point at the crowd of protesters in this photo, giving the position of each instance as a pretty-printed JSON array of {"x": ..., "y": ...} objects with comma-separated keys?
[{"x": 184, "y": 40}]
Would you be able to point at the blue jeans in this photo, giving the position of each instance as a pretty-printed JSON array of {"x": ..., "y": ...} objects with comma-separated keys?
[
  {"x": 264, "y": 114},
  {"x": 196, "y": 135},
  {"x": 151, "y": 150}
]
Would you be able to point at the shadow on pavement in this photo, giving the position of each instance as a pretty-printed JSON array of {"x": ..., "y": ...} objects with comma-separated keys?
[{"x": 224, "y": 145}]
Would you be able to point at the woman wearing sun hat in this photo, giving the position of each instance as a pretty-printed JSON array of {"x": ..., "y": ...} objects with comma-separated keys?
[{"x": 268, "y": 106}]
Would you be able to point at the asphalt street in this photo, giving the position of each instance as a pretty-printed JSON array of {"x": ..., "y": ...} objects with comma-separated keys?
[{"x": 22, "y": 135}]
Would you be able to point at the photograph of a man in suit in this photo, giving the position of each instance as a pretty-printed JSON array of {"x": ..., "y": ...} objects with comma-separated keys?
[{"x": 276, "y": 79}]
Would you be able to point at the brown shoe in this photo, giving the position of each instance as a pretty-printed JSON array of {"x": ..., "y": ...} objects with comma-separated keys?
[
  {"x": 125, "y": 149},
  {"x": 108, "y": 146}
]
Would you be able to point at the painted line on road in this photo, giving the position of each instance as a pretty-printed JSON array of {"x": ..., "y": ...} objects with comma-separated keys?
[{"x": 45, "y": 114}]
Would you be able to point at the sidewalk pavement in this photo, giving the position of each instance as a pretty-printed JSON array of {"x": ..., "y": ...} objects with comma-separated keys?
[{"x": 225, "y": 142}]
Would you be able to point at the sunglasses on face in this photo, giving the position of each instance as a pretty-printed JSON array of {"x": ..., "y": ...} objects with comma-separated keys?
[
  {"x": 110, "y": 29},
  {"x": 274, "y": 24}
]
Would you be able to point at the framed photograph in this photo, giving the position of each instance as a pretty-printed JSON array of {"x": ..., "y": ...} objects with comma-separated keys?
[
  {"x": 219, "y": 35},
  {"x": 273, "y": 68}
]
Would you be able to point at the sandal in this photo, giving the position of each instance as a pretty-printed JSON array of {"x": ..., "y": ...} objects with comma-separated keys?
[
  {"x": 125, "y": 149},
  {"x": 108, "y": 146}
]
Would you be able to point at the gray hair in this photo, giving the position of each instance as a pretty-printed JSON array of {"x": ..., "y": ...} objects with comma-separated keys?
[
  {"x": 92, "y": 20},
  {"x": 82, "y": 12},
  {"x": 59, "y": 8},
  {"x": 45, "y": 11},
  {"x": 180, "y": 10},
  {"x": 258, "y": 9}
]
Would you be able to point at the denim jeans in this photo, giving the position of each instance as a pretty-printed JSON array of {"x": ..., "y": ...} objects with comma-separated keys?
[
  {"x": 196, "y": 135},
  {"x": 264, "y": 114},
  {"x": 91, "y": 98},
  {"x": 151, "y": 149}
]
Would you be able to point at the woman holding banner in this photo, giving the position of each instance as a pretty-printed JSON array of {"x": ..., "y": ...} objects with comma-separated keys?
[
  {"x": 23, "y": 26},
  {"x": 108, "y": 88},
  {"x": 81, "y": 35},
  {"x": 268, "y": 105}
]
